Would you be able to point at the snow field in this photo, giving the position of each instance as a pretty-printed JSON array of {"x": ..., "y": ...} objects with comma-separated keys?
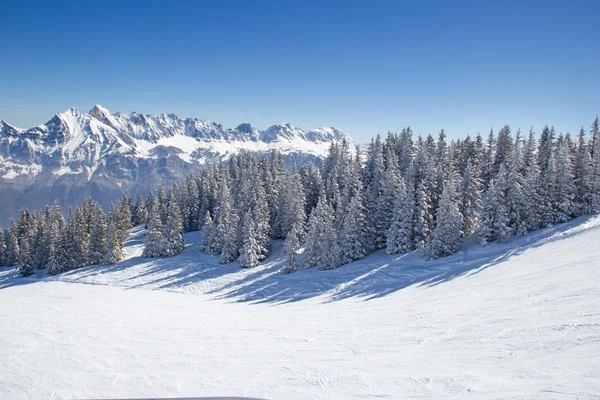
[{"x": 516, "y": 321}]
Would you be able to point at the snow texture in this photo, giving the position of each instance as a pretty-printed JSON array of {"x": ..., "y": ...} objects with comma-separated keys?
[{"x": 517, "y": 320}]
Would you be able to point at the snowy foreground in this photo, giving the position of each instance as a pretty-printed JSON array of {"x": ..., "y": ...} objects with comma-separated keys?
[{"x": 519, "y": 320}]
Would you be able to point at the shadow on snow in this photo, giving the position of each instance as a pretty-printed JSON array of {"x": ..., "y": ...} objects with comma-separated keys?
[{"x": 375, "y": 276}]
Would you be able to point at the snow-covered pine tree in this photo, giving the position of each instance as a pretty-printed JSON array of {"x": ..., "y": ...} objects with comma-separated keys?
[
  {"x": 124, "y": 219},
  {"x": 89, "y": 207},
  {"x": 594, "y": 195},
  {"x": 417, "y": 194},
  {"x": 446, "y": 236},
  {"x": 156, "y": 243},
  {"x": 291, "y": 205},
  {"x": 582, "y": 175},
  {"x": 564, "y": 190},
  {"x": 26, "y": 266},
  {"x": 140, "y": 214},
  {"x": 79, "y": 240},
  {"x": 225, "y": 240},
  {"x": 515, "y": 200},
  {"x": 319, "y": 235},
  {"x": 404, "y": 150},
  {"x": 114, "y": 249},
  {"x": 97, "y": 238},
  {"x": 12, "y": 244},
  {"x": 547, "y": 190},
  {"x": 249, "y": 253},
  {"x": 208, "y": 234},
  {"x": 192, "y": 205},
  {"x": 162, "y": 205},
  {"x": 230, "y": 250},
  {"x": 291, "y": 245},
  {"x": 386, "y": 201},
  {"x": 469, "y": 198},
  {"x": 60, "y": 259},
  {"x": 273, "y": 177},
  {"x": 37, "y": 241},
  {"x": 174, "y": 229},
  {"x": 501, "y": 227},
  {"x": 487, "y": 162},
  {"x": 312, "y": 185},
  {"x": 504, "y": 149},
  {"x": 151, "y": 203},
  {"x": 399, "y": 236},
  {"x": 373, "y": 176},
  {"x": 54, "y": 227},
  {"x": 352, "y": 239}
]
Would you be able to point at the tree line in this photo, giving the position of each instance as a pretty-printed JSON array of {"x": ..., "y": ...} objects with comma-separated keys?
[{"x": 401, "y": 195}]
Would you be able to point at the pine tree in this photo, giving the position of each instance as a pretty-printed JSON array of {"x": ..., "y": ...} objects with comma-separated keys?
[
  {"x": 162, "y": 205},
  {"x": 79, "y": 240},
  {"x": 352, "y": 241},
  {"x": 192, "y": 205},
  {"x": 504, "y": 148},
  {"x": 469, "y": 198},
  {"x": 533, "y": 204},
  {"x": 582, "y": 175},
  {"x": 386, "y": 200},
  {"x": 140, "y": 212},
  {"x": 291, "y": 205},
  {"x": 320, "y": 235},
  {"x": 495, "y": 217},
  {"x": 37, "y": 242},
  {"x": 487, "y": 163},
  {"x": 60, "y": 259},
  {"x": 594, "y": 194},
  {"x": 501, "y": 222},
  {"x": 114, "y": 250},
  {"x": 26, "y": 268},
  {"x": 373, "y": 177},
  {"x": 97, "y": 238},
  {"x": 151, "y": 204},
  {"x": 54, "y": 229},
  {"x": 174, "y": 230},
  {"x": 124, "y": 220},
  {"x": 446, "y": 237},
  {"x": 290, "y": 247},
  {"x": 225, "y": 239},
  {"x": 399, "y": 236},
  {"x": 208, "y": 233},
  {"x": 250, "y": 248},
  {"x": 515, "y": 200},
  {"x": 564, "y": 190},
  {"x": 156, "y": 243},
  {"x": 12, "y": 244}
]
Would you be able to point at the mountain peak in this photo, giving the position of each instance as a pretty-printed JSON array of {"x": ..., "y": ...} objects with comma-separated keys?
[
  {"x": 99, "y": 112},
  {"x": 7, "y": 128}
]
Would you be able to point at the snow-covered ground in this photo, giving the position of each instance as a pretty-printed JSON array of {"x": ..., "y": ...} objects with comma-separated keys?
[{"x": 516, "y": 321}]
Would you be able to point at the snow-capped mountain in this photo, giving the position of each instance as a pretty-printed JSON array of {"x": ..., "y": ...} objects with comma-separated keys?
[{"x": 103, "y": 154}]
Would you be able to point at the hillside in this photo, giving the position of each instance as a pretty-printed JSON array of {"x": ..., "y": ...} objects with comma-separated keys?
[{"x": 518, "y": 320}]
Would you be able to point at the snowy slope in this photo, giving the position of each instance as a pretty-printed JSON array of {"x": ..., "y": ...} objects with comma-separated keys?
[{"x": 517, "y": 321}]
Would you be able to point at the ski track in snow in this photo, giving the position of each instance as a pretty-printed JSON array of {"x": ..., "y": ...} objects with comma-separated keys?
[{"x": 518, "y": 320}]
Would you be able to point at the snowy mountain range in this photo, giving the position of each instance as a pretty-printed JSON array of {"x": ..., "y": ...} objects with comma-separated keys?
[{"x": 103, "y": 154}]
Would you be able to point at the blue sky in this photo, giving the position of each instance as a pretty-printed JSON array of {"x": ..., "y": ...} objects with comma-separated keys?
[{"x": 366, "y": 67}]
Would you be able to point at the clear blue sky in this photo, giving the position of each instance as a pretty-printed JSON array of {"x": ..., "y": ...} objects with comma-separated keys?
[{"x": 365, "y": 67}]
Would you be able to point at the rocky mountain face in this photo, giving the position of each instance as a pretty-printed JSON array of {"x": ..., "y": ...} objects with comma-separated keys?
[{"x": 103, "y": 154}]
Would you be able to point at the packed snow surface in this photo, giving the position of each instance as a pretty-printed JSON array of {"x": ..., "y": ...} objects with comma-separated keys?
[{"x": 519, "y": 320}]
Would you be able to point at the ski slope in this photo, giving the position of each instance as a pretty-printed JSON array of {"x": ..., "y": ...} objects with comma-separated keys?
[{"x": 519, "y": 320}]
